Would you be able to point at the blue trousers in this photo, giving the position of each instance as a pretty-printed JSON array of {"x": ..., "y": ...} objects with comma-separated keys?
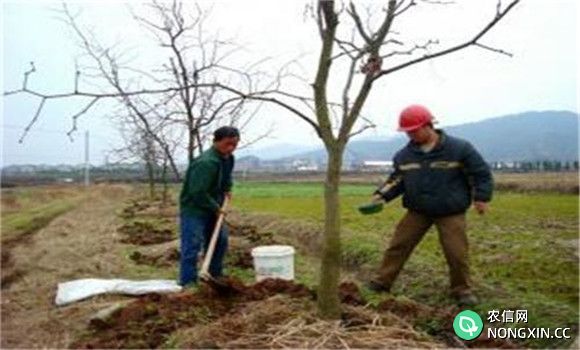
[{"x": 196, "y": 233}]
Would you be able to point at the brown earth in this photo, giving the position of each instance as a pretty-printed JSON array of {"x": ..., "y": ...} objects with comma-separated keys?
[
  {"x": 349, "y": 293},
  {"x": 250, "y": 232},
  {"x": 165, "y": 259},
  {"x": 9, "y": 273},
  {"x": 143, "y": 208},
  {"x": 80, "y": 243},
  {"x": 148, "y": 321},
  {"x": 246, "y": 319},
  {"x": 145, "y": 232},
  {"x": 283, "y": 322}
]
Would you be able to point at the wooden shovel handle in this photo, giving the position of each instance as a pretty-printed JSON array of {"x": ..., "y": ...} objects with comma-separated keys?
[{"x": 211, "y": 248}]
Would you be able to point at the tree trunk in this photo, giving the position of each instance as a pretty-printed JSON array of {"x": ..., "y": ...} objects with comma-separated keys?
[
  {"x": 190, "y": 142},
  {"x": 165, "y": 185},
  {"x": 171, "y": 162},
  {"x": 328, "y": 301},
  {"x": 151, "y": 178}
]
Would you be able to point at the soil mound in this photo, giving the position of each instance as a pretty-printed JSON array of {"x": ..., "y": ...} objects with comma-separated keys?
[
  {"x": 349, "y": 293},
  {"x": 148, "y": 321},
  {"x": 145, "y": 233},
  {"x": 164, "y": 259}
]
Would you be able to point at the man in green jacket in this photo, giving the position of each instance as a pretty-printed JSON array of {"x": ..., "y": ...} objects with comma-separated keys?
[
  {"x": 439, "y": 177},
  {"x": 207, "y": 182}
]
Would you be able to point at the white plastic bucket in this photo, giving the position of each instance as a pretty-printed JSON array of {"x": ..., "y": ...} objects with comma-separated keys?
[{"x": 274, "y": 261}]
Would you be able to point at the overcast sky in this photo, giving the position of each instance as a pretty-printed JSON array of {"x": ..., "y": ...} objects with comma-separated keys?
[{"x": 471, "y": 85}]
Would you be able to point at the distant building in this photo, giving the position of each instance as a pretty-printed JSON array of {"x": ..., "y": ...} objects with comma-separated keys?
[
  {"x": 304, "y": 165},
  {"x": 376, "y": 165},
  {"x": 506, "y": 165},
  {"x": 307, "y": 168}
]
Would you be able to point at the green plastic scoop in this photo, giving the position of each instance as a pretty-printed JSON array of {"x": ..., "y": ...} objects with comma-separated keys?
[{"x": 370, "y": 208}]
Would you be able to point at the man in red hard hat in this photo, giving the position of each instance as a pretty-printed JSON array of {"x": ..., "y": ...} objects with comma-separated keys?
[{"x": 440, "y": 177}]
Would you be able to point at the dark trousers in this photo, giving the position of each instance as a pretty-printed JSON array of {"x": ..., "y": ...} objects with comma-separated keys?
[
  {"x": 409, "y": 233},
  {"x": 196, "y": 233}
]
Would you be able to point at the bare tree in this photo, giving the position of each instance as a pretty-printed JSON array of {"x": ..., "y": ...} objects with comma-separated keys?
[
  {"x": 185, "y": 92},
  {"x": 197, "y": 58},
  {"x": 140, "y": 146}
]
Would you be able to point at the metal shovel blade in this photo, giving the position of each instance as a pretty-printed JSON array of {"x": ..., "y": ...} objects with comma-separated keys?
[
  {"x": 370, "y": 208},
  {"x": 221, "y": 286}
]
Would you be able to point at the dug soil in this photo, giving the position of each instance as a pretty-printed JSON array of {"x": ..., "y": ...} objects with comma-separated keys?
[
  {"x": 151, "y": 320},
  {"x": 145, "y": 232}
]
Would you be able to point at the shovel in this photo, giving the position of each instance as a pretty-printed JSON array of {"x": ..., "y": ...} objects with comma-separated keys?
[
  {"x": 370, "y": 208},
  {"x": 373, "y": 207},
  {"x": 204, "y": 274}
]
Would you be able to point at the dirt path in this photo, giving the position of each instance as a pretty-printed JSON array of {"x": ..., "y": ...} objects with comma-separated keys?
[{"x": 80, "y": 243}]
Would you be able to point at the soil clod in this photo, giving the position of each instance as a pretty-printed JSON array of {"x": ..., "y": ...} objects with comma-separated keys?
[
  {"x": 251, "y": 233},
  {"x": 349, "y": 293},
  {"x": 164, "y": 259},
  {"x": 145, "y": 233}
]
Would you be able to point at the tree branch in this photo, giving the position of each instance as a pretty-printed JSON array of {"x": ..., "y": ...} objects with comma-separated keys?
[{"x": 464, "y": 45}]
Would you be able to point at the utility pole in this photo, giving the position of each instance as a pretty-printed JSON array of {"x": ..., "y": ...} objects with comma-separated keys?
[{"x": 87, "y": 167}]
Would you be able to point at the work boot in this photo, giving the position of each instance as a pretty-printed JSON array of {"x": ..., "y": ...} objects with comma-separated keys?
[
  {"x": 466, "y": 299},
  {"x": 377, "y": 287}
]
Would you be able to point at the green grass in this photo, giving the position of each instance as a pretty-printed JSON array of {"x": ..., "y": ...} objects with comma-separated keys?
[
  {"x": 522, "y": 251},
  {"x": 144, "y": 271},
  {"x": 31, "y": 209}
]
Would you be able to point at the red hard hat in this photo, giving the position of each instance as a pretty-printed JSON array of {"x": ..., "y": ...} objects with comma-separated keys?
[{"x": 414, "y": 117}]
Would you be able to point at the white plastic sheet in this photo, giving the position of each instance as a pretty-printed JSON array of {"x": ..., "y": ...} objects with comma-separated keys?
[{"x": 69, "y": 292}]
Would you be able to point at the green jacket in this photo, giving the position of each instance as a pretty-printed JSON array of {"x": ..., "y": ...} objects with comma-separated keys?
[{"x": 207, "y": 178}]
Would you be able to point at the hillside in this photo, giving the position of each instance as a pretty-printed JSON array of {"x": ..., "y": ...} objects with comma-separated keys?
[{"x": 529, "y": 136}]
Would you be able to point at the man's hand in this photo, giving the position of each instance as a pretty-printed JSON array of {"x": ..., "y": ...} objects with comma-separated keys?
[
  {"x": 221, "y": 211},
  {"x": 377, "y": 198},
  {"x": 481, "y": 207}
]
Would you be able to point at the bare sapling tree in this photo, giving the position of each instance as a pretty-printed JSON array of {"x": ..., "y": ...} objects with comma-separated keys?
[
  {"x": 196, "y": 61},
  {"x": 139, "y": 146}
]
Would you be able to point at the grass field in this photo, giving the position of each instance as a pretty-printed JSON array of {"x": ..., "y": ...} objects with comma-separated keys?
[
  {"x": 523, "y": 253},
  {"x": 27, "y": 209},
  {"x": 556, "y": 182}
]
